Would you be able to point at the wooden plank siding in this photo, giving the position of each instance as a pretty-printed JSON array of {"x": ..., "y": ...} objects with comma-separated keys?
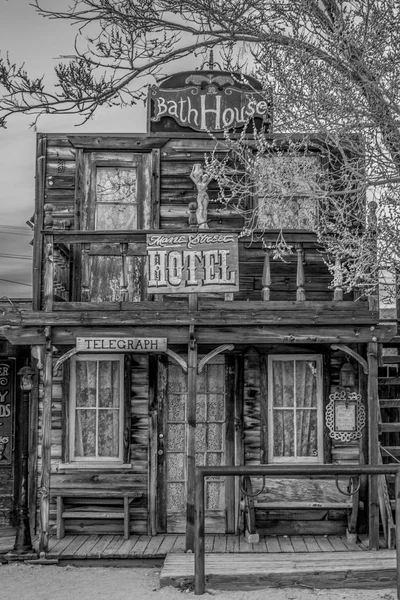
[
  {"x": 176, "y": 191},
  {"x": 81, "y": 478},
  {"x": 255, "y": 427}
]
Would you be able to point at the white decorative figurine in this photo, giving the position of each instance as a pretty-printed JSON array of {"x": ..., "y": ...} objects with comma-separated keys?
[{"x": 201, "y": 180}]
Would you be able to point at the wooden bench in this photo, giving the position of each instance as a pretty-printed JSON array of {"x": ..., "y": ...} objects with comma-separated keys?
[
  {"x": 127, "y": 495},
  {"x": 250, "y": 505}
]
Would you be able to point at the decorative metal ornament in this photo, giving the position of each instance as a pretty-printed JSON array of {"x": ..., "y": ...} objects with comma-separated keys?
[{"x": 345, "y": 416}]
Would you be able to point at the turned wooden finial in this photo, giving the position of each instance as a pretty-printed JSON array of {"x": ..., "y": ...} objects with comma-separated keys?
[{"x": 48, "y": 216}]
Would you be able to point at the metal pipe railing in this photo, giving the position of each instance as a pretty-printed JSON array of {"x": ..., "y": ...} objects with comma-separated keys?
[{"x": 279, "y": 471}]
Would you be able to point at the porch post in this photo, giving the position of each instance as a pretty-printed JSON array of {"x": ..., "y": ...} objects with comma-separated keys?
[
  {"x": 44, "y": 488},
  {"x": 191, "y": 433},
  {"x": 373, "y": 443},
  {"x": 23, "y": 541}
]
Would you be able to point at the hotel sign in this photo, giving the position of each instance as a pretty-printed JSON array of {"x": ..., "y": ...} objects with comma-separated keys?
[
  {"x": 119, "y": 344},
  {"x": 212, "y": 108},
  {"x": 192, "y": 263}
]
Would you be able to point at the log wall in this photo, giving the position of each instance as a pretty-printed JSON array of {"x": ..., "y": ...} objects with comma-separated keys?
[
  {"x": 82, "y": 478},
  {"x": 292, "y": 522},
  {"x": 176, "y": 191}
]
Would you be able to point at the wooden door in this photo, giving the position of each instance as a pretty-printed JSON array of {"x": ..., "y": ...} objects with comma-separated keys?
[
  {"x": 115, "y": 195},
  {"x": 211, "y": 427}
]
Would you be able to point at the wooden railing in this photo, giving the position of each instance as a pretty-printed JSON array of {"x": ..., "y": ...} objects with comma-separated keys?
[
  {"x": 283, "y": 471},
  {"x": 63, "y": 248}
]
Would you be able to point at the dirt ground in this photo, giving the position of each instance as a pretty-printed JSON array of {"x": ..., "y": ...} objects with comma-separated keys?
[{"x": 28, "y": 582}]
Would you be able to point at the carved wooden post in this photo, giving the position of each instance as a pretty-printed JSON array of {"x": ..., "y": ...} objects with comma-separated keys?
[
  {"x": 300, "y": 294},
  {"x": 266, "y": 276},
  {"x": 338, "y": 280},
  {"x": 85, "y": 294},
  {"x": 124, "y": 273},
  {"x": 48, "y": 284},
  {"x": 44, "y": 488}
]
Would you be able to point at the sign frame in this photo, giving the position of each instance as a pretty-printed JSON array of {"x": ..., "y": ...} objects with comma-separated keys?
[
  {"x": 198, "y": 262},
  {"x": 120, "y": 344}
]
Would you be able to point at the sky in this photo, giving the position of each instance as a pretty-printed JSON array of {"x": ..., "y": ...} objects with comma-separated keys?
[{"x": 37, "y": 42}]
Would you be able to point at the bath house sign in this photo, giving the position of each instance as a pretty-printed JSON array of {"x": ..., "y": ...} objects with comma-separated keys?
[{"x": 212, "y": 104}]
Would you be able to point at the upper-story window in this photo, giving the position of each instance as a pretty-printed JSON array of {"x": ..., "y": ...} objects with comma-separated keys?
[
  {"x": 287, "y": 191},
  {"x": 115, "y": 194},
  {"x": 116, "y": 198}
]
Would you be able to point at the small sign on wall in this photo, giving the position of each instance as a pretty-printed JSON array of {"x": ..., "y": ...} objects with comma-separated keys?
[
  {"x": 192, "y": 263},
  {"x": 345, "y": 416},
  {"x": 119, "y": 344}
]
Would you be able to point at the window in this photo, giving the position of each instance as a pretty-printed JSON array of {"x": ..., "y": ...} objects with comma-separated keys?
[
  {"x": 295, "y": 415},
  {"x": 286, "y": 190},
  {"x": 96, "y": 408},
  {"x": 116, "y": 198}
]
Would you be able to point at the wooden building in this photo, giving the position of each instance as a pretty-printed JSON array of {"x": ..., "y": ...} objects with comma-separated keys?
[{"x": 163, "y": 340}]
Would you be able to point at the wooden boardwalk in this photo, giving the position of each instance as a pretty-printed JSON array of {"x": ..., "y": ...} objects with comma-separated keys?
[
  {"x": 81, "y": 547},
  {"x": 248, "y": 571}
]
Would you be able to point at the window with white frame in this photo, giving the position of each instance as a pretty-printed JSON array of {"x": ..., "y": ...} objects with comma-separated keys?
[
  {"x": 96, "y": 408},
  {"x": 295, "y": 408}
]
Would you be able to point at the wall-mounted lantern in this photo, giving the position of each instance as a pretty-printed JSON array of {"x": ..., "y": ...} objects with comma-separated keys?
[
  {"x": 345, "y": 413},
  {"x": 26, "y": 375}
]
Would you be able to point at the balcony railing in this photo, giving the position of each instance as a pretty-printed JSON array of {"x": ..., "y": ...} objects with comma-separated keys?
[{"x": 74, "y": 259}]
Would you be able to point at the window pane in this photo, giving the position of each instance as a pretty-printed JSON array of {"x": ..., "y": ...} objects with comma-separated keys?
[
  {"x": 108, "y": 433},
  {"x": 116, "y": 198},
  {"x": 109, "y": 390},
  {"x": 85, "y": 433},
  {"x": 283, "y": 382},
  {"x": 307, "y": 432},
  {"x": 86, "y": 381},
  {"x": 283, "y": 433},
  {"x": 117, "y": 216},
  {"x": 306, "y": 383}
]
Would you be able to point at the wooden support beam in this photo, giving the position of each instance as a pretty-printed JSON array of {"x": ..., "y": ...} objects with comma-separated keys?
[
  {"x": 191, "y": 440},
  {"x": 44, "y": 488},
  {"x": 373, "y": 411}
]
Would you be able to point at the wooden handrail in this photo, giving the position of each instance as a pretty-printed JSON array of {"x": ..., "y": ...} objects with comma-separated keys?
[{"x": 279, "y": 471}]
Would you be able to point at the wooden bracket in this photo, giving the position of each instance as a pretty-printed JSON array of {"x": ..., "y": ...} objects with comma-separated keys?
[
  {"x": 63, "y": 358},
  {"x": 210, "y": 355},
  {"x": 352, "y": 353},
  {"x": 181, "y": 361}
]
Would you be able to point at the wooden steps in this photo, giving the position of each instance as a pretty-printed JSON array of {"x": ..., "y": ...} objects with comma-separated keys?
[{"x": 363, "y": 570}]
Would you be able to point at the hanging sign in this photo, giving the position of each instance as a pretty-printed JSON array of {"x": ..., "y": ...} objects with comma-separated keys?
[
  {"x": 121, "y": 344},
  {"x": 213, "y": 104},
  {"x": 7, "y": 368},
  {"x": 192, "y": 262}
]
